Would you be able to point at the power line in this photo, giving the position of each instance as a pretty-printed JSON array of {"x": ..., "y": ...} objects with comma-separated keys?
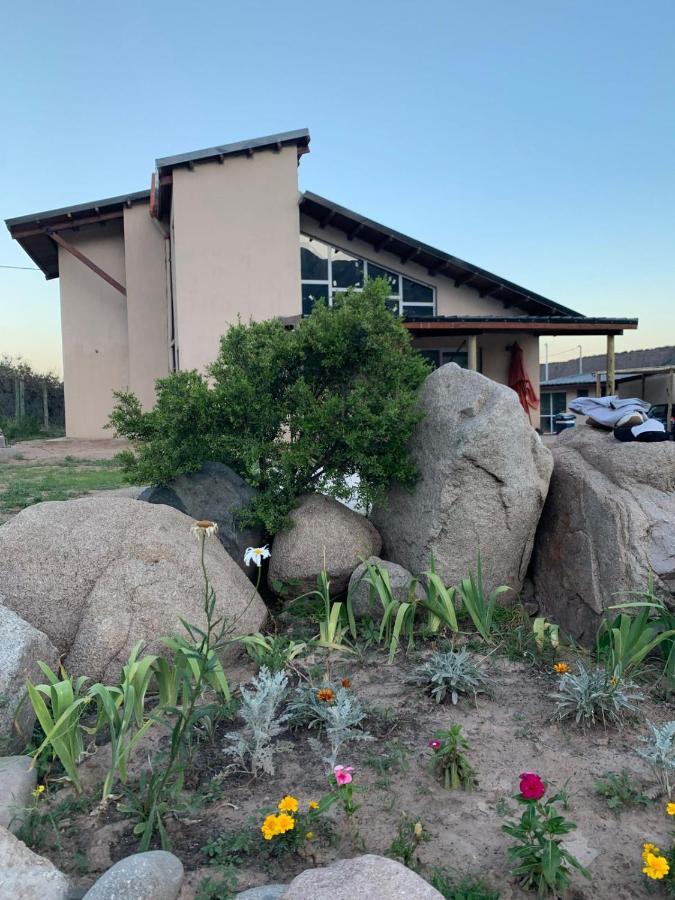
[{"x": 25, "y": 268}]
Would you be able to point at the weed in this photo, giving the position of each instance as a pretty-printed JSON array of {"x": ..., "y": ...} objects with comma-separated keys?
[
  {"x": 391, "y": 762},
  {"x": 455, "y": 886},
  {"x": 411, "y": 834},
  {"x": 619, "y": 791}
]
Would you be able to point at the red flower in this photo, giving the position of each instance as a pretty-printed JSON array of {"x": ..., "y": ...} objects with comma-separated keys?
[
  {"x": 531, "y": 786},
  {"x": 435, "y": 745}
]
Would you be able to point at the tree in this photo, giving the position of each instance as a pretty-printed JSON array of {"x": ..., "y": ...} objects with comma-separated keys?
[{"x": 328, "y": 407}]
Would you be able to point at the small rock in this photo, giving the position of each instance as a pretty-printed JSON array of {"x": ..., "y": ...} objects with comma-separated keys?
[
  {"x": 367, "y": 877},
  {"x": 26, "y": 876},
  {"x": 17, "y": 783},
  {"x": 266, "y": 892},
  {"x": 579, "y": 847},
  {"x": 21, "y": 646},
  {"x": 155, "y": 875},
  {"x": 399, "y": 579}
]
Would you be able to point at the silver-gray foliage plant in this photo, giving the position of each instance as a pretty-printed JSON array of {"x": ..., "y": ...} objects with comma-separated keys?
[
  {"x": 254, "y": 747},
  {"x": 454, "y": 672},
  {"x": 338, "y": 719},
  {"x": 660, "y": 753},
  {"x": 594, "y": 695}
]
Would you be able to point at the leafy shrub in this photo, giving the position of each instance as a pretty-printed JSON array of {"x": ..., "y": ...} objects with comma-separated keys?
[
  {"x": 254, "y": 747},
  {"x": 450, "y": 762},
  {"x": 290, "y": 411},
  {"x": 335, "y": 712},
  {"x": 452, "y": 673},
  {"x": 593, "y": 696},
  {"x": 660, "y": 753}
]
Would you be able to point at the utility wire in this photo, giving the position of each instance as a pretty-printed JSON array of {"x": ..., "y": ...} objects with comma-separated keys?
[{"x": 25, "y": 268}]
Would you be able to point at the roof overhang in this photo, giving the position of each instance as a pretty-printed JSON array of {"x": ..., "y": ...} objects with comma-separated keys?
[
  {"x": 439, "y": 326},
  {"x": 32, "y": 231},
  {"x": 437, "y": 262}
]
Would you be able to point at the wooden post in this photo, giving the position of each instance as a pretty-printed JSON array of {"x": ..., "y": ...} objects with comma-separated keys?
[
  {"x": 472, "y": 346},
  {"x": 670, "y": 388},
  {"x": 598, "y": 384},
  {"x": 45, "y": 406},
  {"x": 19, "y": 399},
  {"x": 611, "y": 366}
]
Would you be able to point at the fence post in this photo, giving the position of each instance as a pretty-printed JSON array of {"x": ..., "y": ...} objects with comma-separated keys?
[
  {"x": 45, "y": 406},
  {"x": 19, "y": 399}
]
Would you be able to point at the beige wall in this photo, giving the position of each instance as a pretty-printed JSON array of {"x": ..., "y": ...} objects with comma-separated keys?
[
  {"x": 147, "y": 302},
  {"x": 235, "y": 247},
  {"x": 94, "y": 330}
]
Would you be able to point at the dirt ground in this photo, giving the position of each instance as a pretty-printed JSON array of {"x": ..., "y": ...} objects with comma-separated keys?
[
  {"x": 60, "y": 448},
  {"x": 510, "y": 733}
]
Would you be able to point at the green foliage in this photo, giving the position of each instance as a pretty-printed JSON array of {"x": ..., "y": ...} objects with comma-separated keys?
[
  {"x": 332, "y": 630},
  {"x": 593, "y": 696},
  {"x": 274, "y": 651},
  {"x": 393, "y": 760},
  {"x": 291, "y": 411},
  {"x": 619, "y": 790},
  {"x": 449, "y": 761},
  {"x": 454, "y": 886},
  {"x": 479, "y": 606},
  {"x": 339, "y": 716},
  {"x": 452, "y": 673},
  {"x": 545, "y": 633},
  {"x": 405, "y": 846},
  {"x": 659, "y": 752},
  {"x": 538, "y": 859}
]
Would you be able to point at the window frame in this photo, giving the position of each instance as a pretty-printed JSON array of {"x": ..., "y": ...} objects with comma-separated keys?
[
  {"x": 394, "y": 296},
  {"x": 546, "y": 410}
]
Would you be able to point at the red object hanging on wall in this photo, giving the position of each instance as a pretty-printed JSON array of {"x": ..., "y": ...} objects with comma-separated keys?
[{"x": 520, "y": 382}]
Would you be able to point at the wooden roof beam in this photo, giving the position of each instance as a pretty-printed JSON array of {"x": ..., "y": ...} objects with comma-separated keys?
[{"x": 90, "y": 264}]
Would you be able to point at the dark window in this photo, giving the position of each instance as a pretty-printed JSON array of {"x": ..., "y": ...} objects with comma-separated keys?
[
  {"x": 414, "y": 292},
  {"x": 461, "y": 357},
  {"x": 314, "y": 262},
  {"x": 378, "y": 272},
  {"x": 310, "y": 294},
  {"x": 346, "y": 271},
  {"x": 412, "y": 310},
  {"x": 582, "y": 392}
]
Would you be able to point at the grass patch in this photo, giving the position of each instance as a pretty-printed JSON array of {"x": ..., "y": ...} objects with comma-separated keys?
[{"x": 23, "y": 484}]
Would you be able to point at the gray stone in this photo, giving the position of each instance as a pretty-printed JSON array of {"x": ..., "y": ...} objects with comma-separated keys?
[
  {"x": 100, "y": 573},
  {"x": 17, "y": 783},
  {"x": 21, "y": 646},
  {"x": 323, "y": 531},
  {"x": 26, "y": 876},
  {"x": 484, "y": 474},
  {"x": 363, "y": 604},
  {"x": 608, "y": 521},
  {"x": 217, "y": 493},
  {"x": 362, "y": 878},
  {"x": 266, "y": 892},
  {"x": 155, "y": 875}
]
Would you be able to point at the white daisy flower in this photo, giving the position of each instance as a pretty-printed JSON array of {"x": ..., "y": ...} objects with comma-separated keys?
[
  {"x": 255, "y": 555},
  {"x": 204, "y": 528}
]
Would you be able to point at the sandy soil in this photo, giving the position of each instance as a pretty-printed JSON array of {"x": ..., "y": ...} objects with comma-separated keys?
[
  {"x": 59, "y": 448},
  {"x": 510, "y": 733}
]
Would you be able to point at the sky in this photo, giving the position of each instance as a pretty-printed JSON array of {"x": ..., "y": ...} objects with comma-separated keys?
[{"x": 534, "y": 139}]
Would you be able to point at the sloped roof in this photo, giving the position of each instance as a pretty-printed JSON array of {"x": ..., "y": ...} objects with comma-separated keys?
[{"x": 626, "y": 359}]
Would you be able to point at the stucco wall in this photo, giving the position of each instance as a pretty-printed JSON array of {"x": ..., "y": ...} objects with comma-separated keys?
[
  {"x": 94, "y": 330},
  {"x": 147, "y": 304},
  {"x": 235, "y": 247}
]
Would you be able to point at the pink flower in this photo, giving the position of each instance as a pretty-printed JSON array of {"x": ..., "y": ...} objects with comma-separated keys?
[
  {"x": 531, "y": 786},
  {"x": 343, "y": 774},
  {"x": 435, "y": 745}
]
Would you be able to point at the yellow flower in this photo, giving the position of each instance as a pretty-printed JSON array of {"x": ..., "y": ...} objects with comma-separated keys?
[
  {"x": 656, "y": 867},
  {"x": 277, "y": 823},
  {"x": 670, "y": 809},
  {"x": 614, "y": 681},
  {"x": 285, "y": 823},
  {"x": 309, "y": 836},
  {"x": 40, "y": 789},
  {"x": 288, "y": 804},
  {"x": 561, "y": 667},
  {"x": 647, "y": 849},
  {"x": 269, "y": 827},
  {"x": 313, "y": 804},
  {"x": 418, "y": 829}
]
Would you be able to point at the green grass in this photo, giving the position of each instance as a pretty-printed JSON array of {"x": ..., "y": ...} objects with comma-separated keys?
[{"x": 23, "y": 484}]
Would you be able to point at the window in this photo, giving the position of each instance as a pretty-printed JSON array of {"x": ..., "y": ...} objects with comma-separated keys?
[
  {"x": 325, "y": 271},
  {"x": 551, "y": 404},
  {"x": 442, "y": 357},
  {"x": 582, "y": 392}
]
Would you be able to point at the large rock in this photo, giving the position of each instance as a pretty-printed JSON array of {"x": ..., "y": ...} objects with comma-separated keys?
[
  {"x": 367, "y": 606},
  {"x": 362, "y": 878},
  {"x": 608, "y": 521},
  {"x": 323, "y": 529},
  {"x": 17, "y": 783},
  {"x": 21, "y": 646},
  {"x": 484, "y": 474},
  {"x": 98, "y": 574},
  {"x": 155, "y": 875},
  {"x": 217, "y": 493},
  {"x": 26, "y": 876}
]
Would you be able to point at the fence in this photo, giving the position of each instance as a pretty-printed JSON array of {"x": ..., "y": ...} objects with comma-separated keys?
[{"x": 28, "y": 397}]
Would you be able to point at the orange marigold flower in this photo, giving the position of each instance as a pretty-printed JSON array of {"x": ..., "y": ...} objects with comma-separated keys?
[
  {"x": 313, "y": 804},
  {"x": 561, "y": 667},
  {"x": 326, "y": 695},
  {"x": 346, "y": 682},
  {"x": 288, "y": 804}
]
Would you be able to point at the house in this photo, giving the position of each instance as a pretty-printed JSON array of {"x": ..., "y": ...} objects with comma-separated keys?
[
  {"x": 648, "y": 374},
  {"x": 150, "y": 280}
]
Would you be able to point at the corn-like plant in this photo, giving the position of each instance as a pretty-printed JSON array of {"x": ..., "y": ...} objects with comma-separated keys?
[
  {"x": 479, "y": 606},
  {"x": 60, "y": 718},
  {"x": 335, "y": 712},
  {"x": 592, "y": 696},
  {"x": 660, "y": 753},
  {"x": 453, "y": 673},
  {"x": 332, "y": 632},
  {"x": 254, "y": 748}
]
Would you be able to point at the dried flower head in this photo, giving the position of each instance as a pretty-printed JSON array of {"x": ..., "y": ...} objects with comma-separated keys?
[
  {"x": 418, "y": 829},
  {"x": 346, "y": 683},
  {"x": 204, "y": 528},
  {"x": 326, "y": 695}
]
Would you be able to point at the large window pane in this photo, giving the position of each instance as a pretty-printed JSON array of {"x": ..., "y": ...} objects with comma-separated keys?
[
  {"x": 347, "y": 271},
  {"x": 310, "y": 294},
  {"x": 417, "y": 312},
  {"x": 378, "y": 272},
  {"x": 313, "y": 260},
  {"x": 415, "y": 292},
  {"x": 461, "y": 357}
]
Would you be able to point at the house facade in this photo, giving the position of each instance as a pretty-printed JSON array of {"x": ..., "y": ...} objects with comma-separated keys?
[{"x": 149, "y": 281}]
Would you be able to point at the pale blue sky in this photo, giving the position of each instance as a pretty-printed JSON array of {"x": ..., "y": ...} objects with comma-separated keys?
[{"x": 535, "y": 138}]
